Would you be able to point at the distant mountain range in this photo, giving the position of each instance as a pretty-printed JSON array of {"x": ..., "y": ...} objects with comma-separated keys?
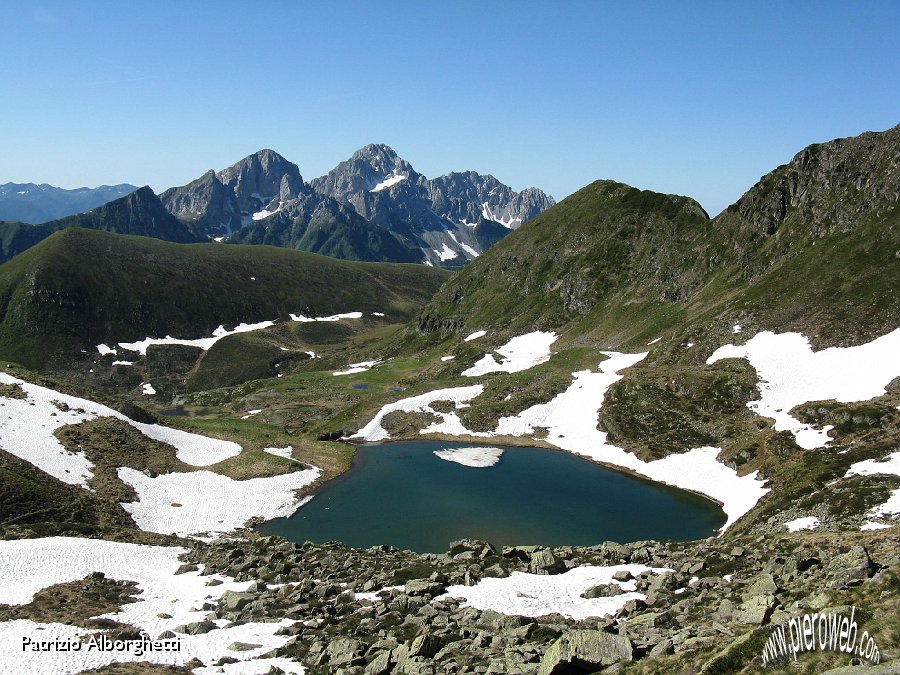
[
  {"x": 34, "y": 204},
  {"x": 372, "y": 207}
]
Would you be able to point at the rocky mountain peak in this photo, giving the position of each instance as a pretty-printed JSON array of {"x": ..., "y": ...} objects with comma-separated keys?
[{"x": 262, "y": 176}]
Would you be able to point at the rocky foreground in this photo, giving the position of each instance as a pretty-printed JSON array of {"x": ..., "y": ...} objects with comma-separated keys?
[{"x": 712, "y": 613}]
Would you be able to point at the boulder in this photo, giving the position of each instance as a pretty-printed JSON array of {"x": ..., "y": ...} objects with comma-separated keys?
[
  {"x": 545, "y": 562},
  {"x": 585, "y": 649},
  {"x": 602, "y": 591}
]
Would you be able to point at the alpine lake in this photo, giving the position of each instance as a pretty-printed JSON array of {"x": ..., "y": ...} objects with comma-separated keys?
[{"x": 402, "y": 494}]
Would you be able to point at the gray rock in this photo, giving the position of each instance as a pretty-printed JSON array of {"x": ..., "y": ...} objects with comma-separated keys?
[
  {"x": 585, "y": 649},
  {"x": 233, "y": 601},
  {"x": 242, "y": 646},
  {"x": 196, "y": 628},
  {"x": 545, "y": 562},
  {"x": 602, "y": 591},
  {"x": 424, "y": 587}
]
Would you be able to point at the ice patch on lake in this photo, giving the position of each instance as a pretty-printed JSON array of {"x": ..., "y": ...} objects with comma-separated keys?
[
  {"x": 201, "y": 502},
  {"x": 522, "y": 594},
  {"x": 805, "y": 523},
  {"x": 479, "y": 458},
  {"x": 520, "y": 353},
  {"x": 30, "y": 565},
  {"x": 792, "y": 374},
  {"x": 474, "y": 336},
  {"x": 27, "y": 427}
]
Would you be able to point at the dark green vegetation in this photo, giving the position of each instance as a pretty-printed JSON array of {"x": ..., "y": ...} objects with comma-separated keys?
[{"x": 79, "y": 288}]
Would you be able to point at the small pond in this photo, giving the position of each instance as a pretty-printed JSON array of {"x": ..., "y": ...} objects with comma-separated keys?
[{"x": 404, "y": 495}]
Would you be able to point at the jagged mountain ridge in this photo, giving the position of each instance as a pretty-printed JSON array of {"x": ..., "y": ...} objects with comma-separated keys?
[
  {"x": 34, "y": 204},
  {"x": 440, "y": 215}
]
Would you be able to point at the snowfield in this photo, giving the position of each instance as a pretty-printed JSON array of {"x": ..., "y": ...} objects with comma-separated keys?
[
  {"x": 524, "y": 594},
  {"x": 27, "y": 427},
  {"x": 520, "y": 353},
  {"x": 203, "y": 502},
  {"x": 791, "y": 374},
  {"x": 479, "y": 458},
  {"x": 29, "y": 565}
]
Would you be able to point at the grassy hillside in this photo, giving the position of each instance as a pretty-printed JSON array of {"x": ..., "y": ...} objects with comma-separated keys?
[{"x": 80, "y": 287}]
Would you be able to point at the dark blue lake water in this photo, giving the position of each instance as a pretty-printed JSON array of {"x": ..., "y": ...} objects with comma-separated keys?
[{"x": 402, "y": 494}]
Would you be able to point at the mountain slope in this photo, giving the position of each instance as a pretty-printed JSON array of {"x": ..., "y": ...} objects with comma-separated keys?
[
  {"x": 79, "y": 288},
  {"x": 34, "y": 204},
  {"x": 439, "y": 215},
  {"x": 141, "y": 213},
  {"x": 797, "y": 251},
  {"x": 318, "y": 224},
  {"x": 138, "y": 213}
]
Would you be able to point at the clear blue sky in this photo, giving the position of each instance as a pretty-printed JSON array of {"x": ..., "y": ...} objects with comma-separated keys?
[{"x": 696, "y": 98}]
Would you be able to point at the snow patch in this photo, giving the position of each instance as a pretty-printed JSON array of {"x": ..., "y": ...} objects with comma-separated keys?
[
  {"x": 446, "y": 253},
  {"x": 391, "y": 179},
  {"x": 479, "y": 458},
  {"x": 447, "y": 358},
  {"x": 282, "y": 452},
  {"x": 123, "y": 363},
  {"x": 805, "y": 523},
  {"x": 522, "y": 594},
  {"x": 360, "y": 367},
  {"x": 474, "y": 336},
  {"x": 147, "y": 389},
  {"x": 653, "y": 342},
  {"x": 791, "y": 374},
  {"x": 105, "y": 349},
  {"x": 520, "y": 353}
]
